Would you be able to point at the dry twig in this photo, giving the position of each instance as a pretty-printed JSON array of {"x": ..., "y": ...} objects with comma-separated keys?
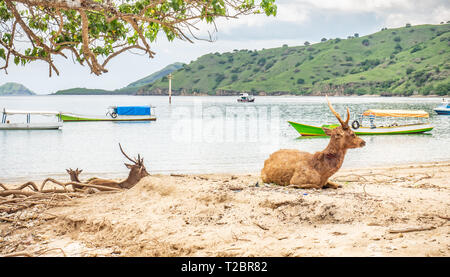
[{"x": 411, "y": 229}]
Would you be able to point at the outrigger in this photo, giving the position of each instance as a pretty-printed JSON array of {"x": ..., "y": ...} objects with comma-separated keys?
[
  {"x": 362, "y": 127},
  {"x": 116, "y": 113}
]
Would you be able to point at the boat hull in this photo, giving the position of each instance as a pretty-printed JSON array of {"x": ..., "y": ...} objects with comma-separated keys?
[
  {"x": 76, "y": 118},
  {"x": 251, "y": 100},
  {"x": 442, "y": 111},
  {"x": 308, "y": 130},
  {"x": 31, "y": 126}
]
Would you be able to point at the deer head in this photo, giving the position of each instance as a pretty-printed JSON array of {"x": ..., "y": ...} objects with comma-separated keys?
[
  {"x": 137, "y": 169},
  {"x": 343, "y": 136},
  {"x": 74, "y": 174}
]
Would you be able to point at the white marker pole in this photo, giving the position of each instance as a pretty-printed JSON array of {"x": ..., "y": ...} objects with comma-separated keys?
[{"x": 170, "y": 88}]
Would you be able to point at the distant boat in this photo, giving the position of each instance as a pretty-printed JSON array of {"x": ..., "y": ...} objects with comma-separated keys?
[
  {"x": 443, "y": 108},
  {"x": 372, "y": 129},
  {"x": 115, "y": 113},
  {"x": 28, "y": 125},
  {"x": 244, "y": 97}
]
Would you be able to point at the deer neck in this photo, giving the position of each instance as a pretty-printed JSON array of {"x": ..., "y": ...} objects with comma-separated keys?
[
  {"x": 74, "y": 178},
  {"x": 130, "y": 182},
  {"x": 334, "y": 151},
  {"x": 330, "y": 159}
]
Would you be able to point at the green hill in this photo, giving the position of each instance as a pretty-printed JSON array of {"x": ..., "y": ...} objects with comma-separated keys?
[
  {"x": 157, "y": 75},
  {"x": 401, "y": 61},
  {"x": 132, "y": 88},
  {"x": 83, "y": 91},
  {"x": 14, "y": 89}
]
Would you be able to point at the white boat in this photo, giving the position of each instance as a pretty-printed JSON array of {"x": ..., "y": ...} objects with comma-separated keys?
[
  {"x": 6, "y": 124},
  {"x": 244, "y": 97},
  {"x": 443, "y": 108}
]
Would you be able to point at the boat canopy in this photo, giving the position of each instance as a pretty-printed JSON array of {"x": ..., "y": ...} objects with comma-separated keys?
[
  {"x": 396, "y": 113},
  {"x": 5, "y": 111},
  {"x": 133, "y": 110}
]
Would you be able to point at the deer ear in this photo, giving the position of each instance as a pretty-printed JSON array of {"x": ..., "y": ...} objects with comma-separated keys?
[
  {"x": 129, "y": 166},
  {"x": 327, "y": 131},
  {"x": 68, "y": 171}
]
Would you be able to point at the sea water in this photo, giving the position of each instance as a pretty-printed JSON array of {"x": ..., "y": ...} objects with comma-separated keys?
[{"x": 202, "y": 135}]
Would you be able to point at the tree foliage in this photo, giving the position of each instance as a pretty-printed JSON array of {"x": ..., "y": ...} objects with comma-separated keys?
[{"x": 95, "y": 31}]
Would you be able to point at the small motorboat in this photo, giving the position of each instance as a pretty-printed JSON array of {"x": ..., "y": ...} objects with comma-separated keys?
[
  {"x": 244, "y": 97},
  {"x": 443, "y": 108},
  {"x": 10, "y": 124},
  {"x": 115, "y": 113},
  {"x": 360, "y": 127}
]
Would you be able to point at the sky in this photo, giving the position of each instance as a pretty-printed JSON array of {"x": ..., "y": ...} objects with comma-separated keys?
[{"x": 297, "y": 21}]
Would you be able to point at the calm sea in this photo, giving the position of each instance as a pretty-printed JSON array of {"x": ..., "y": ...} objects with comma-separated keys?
[{"x": 201, "y": 135}]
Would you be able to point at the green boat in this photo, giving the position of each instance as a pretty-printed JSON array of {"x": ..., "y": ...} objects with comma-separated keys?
[
  {"x": 66, "y": 117},
  {"x": 122, "y": 113},
  {"x": 372, "y": 129}
]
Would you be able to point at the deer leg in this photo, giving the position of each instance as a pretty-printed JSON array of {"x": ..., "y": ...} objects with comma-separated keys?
[
  {"x": 305, "y": 180},
  {"x": 330, "y": 184},
  {"x": 304, "y": 186}
]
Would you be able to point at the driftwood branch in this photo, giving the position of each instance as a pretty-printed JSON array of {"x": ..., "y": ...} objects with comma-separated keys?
[{"x": 411, "y": 229}]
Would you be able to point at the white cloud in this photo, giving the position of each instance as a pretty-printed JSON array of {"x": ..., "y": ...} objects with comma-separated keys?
[
  {"x": 356, "y": 5},
  {"x": 286, "y": 12}
]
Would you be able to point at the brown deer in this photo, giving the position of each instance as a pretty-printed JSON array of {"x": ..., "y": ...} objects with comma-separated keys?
[
  {"x": 74, "y": 176},
  {"x": 306, "y": 170},
  {"x": 137, "y": 172}
]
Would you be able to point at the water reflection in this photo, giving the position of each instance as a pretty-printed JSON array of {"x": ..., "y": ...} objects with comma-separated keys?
[{"x": 202, "y": 134}]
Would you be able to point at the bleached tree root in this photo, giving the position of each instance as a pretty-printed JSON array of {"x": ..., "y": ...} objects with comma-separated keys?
[
  {"x": 72, "y": 183},
  {"x": 28, "y": 194}
]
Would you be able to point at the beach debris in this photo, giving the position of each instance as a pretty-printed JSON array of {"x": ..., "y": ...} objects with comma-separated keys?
[
  {"x": 261, "y": 226},
  {"x": 291, "y": 167},
  {"x": 411, "y": 229},
  {"x": 37, "y": 253},
  {"x": 443, "y": 217},
  {"x": 336, "y": 233},
  {"x": 177, "y": 175},
  {"x": 236, "y": 188}
]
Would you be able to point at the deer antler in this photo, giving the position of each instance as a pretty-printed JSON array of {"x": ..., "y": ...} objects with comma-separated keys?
[
  {"x": 343, "y": 123},
  {"x": 348, "y": 116},
  {"x": 126, "y": 156},
  {"x": 140, "y": 160}
]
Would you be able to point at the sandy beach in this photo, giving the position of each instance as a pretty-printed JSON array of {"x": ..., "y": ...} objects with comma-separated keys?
[{"x": 402, "y": 210}]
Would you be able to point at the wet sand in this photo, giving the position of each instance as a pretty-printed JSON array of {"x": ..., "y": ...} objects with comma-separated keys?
[{"x": 393, "y": 211}]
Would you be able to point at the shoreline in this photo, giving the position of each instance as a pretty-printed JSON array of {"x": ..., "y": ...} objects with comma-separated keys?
[
  {"x": 117, "y": 176},
  {"x": 283, "y": 95},
  {"x": 385, "y": 211}
]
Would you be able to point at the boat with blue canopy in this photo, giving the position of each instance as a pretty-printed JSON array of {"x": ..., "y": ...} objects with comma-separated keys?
[{"x": 115, "y": 113}]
